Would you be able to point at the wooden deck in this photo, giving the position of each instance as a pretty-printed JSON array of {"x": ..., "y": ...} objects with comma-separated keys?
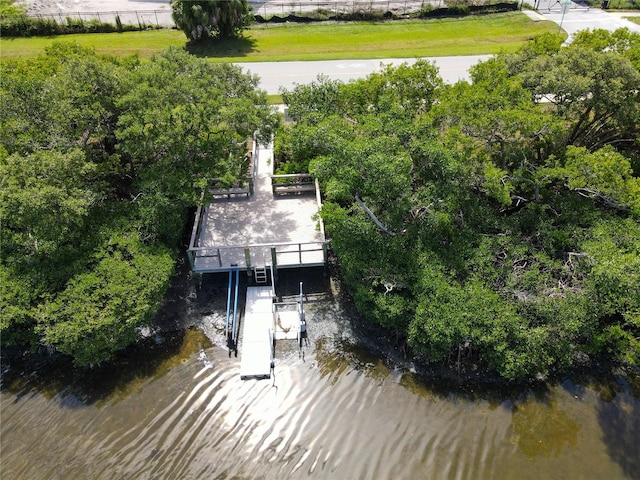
[
  {"x": 257, "y": 334},
  {"x": 259, "y": 229}
]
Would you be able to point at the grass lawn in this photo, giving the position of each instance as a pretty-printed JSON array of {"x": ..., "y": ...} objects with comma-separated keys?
[
  {"x": 275, "y": 99},
  {"x": 471, "y": 35},
  {"x": 119, "y": 44}
]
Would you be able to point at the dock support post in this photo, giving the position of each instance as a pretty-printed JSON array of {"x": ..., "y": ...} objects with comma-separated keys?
[
  {"x": 301, "y": 303},
  {"x": 274, "y": 266},
  {"x": 190, "y": 255},
  {"x": 325, "y": 255},
  {"x": 247, "y": 260}
]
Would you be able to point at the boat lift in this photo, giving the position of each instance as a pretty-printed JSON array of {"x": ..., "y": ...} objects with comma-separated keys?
[
  {"x": 266, "y": 321},
  {"x": 288, "y": 320},
  {"x": 231, "y": 325}
]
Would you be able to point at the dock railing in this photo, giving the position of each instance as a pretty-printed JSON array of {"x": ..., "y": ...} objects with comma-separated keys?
[
  {"x": 195, "y": 234},
  {"x": 282, "y": 255},
  {"x": 292, "y": 183},
  {"x": 245, "y": 184}
]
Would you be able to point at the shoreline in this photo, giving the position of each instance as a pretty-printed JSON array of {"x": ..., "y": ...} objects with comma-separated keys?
[{"x": 336, "y": 328}]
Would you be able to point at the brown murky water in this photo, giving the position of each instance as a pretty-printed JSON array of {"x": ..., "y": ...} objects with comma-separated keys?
[{"x": 180, "y": 411}]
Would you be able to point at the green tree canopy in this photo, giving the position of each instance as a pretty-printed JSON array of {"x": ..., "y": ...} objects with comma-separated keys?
[
  {"x": 202, "y": 20},
  {"x": 490, "y": 220},
  {"x": 596, "y": 90},
  {"x": 45, "y": 198},
  {"x": 101, "y": 161},
  {"x": 99, "y": 312}
]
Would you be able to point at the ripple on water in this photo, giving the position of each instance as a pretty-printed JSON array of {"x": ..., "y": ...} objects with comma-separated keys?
[{"x": 336, "y": 414}]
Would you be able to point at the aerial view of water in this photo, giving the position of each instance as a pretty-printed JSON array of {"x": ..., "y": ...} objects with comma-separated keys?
[{"x": 174, "y": 407}]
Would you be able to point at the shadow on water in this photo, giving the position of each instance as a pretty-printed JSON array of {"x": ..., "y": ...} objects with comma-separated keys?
[
  {"x": 619, "y": 419},
  {"x": 337, "y": 357},
  {"x": 57, "y": 379},
  {"x": 228, "y": 48},
  {"x": 541, "y": 428}
]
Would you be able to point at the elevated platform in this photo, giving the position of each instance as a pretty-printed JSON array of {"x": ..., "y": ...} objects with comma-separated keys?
[
  {"x": 257, "y": 334},
  {"x": 261, "y": 229}
]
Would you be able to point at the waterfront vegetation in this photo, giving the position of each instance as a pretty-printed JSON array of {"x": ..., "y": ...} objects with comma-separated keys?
[
  {"x": 101, "y": 159},
  {"x": 472, "y": 35},
  {"x": 492, "y": 224}
]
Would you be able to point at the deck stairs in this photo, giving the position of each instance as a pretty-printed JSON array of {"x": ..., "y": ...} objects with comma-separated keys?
[{"x": 260, "y": 274}]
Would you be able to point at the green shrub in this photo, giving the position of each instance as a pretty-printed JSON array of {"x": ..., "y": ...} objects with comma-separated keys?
[
  {"x": 8, "y": 7},
  {"x": 24, "y": 26}
]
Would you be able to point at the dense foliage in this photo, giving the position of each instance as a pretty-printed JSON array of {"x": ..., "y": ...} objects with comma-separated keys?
[
  {"x": 9, "y": 7},
  {"x": 24, "y": 26},
  {"x": 14, "y": 22},
  {"x": 497, "y": 221},
  {"x": 202, "y": 20},
  {"x": 100, "y": 160}
]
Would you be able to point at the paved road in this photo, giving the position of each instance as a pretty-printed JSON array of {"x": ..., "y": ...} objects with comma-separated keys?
[
  {"x": 286, "y": 74},
  {"x": 580, "y": 17}
]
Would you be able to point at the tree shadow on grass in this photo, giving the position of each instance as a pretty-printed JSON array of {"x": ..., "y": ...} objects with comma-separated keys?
[{"x": 227, "y": 48}]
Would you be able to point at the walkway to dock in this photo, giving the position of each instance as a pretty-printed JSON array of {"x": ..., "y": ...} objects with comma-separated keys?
[
  {"x": 257, "y": 334},
  {"x": 259, "y": 229}
]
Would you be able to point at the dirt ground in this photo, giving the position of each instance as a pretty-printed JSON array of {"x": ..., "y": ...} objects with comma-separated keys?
[
  {"x": 263, "y": 7},
  {"x": 72, "y": 6}
]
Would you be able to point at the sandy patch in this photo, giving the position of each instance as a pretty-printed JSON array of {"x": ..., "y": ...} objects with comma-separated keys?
[
  {"x": 158, "y": 12},
  {"x": 263, "y": 7},
  {"x": 71, "y": 6}
]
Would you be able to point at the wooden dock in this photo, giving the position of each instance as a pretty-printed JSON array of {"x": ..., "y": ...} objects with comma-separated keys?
[
  {"x": 257, "y": 334},
  {"x": 269, "y": 227}
]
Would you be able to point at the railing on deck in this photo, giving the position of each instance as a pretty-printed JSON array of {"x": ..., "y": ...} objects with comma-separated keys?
[
  {"x": 245, "y": 184},
  {"x": 292, "y": 183},
  {"x": 195, "y": 235},
  {"x": 283, "y": 255},
  {"x": 277, "y": 254},
  {"x": 217, "y": 189}
]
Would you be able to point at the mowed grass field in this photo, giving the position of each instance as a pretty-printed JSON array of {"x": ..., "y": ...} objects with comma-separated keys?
[{"x": 471, "y": 35}]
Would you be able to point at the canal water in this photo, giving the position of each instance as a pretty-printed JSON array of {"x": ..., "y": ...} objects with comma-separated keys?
[{"x": 174, "y": 407}]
